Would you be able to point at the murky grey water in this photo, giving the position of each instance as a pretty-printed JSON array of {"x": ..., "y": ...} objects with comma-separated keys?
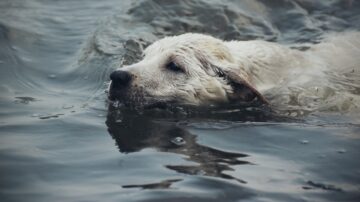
[{"x": 60, "y": 141}]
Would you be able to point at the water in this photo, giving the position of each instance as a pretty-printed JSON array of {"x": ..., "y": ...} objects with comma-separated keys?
[{"x": 61, "y": 141}]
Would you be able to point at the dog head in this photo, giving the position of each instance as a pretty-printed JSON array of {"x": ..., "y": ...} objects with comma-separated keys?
[{"x": 189, "y": 69}]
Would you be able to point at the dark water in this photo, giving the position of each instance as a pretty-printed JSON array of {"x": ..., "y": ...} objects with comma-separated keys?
[{"x": 60, "y": 141}]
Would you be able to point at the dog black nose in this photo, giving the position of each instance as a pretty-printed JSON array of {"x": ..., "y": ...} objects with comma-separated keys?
[{"x": 120, "y": 78}]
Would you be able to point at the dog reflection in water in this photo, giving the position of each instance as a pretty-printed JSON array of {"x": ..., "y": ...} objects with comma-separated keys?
[{"x": 134, "y": 133}]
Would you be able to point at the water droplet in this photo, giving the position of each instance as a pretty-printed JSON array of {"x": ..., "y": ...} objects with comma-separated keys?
[
  {"x": 52, "y": 76},
  {"x": 293, "y": 114},
  {"x": 322, "y": 156},
  {"x": 200, "y": 172},
  {"x": 116, "y": 104},
  {"x": 178, "y": 141},
  {"x": 67, "y": 106},
  {"x": 35, "y": 115},
  {"x": 341, "y": 151}
]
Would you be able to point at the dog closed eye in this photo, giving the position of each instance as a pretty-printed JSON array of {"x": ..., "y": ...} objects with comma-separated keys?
[{"x": 174, "y": 67}]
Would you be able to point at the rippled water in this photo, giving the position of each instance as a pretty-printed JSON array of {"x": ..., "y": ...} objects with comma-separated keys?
[{"x": 61, "y": 141}]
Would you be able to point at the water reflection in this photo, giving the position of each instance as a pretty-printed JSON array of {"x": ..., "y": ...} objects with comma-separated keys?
[{"x": 133, "y": 133}]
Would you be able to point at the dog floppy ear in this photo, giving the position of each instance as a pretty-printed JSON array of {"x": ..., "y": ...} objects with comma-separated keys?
[
  {"x": 243, "y": 91},
  {"x": 215, "y": 56}
]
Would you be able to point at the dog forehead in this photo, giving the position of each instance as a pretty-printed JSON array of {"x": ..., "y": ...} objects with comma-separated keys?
[
  {"x": 174, "y": 43},
  {"x": 190, "y": 43}
]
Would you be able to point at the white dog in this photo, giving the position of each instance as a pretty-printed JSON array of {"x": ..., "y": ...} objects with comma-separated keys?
[{"x": 200, "y": 70}]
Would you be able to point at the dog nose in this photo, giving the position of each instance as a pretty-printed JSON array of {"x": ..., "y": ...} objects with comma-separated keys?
[{"x": 120, "y": 78}]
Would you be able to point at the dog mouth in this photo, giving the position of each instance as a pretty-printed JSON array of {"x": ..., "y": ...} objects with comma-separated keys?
[
  {"x": 141, "y": 106},
  {"x": 140, "y": 100},
  {"x": 137, "y": 100},
  {"x": 157, "y": 105}
]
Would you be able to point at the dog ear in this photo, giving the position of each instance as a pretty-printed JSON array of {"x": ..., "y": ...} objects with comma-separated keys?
[
  {"x": 218, "y": 56},
  {"x": 243, "y": 91}
]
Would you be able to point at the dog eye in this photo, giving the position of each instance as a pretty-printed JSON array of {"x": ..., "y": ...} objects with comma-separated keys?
[{"x": 173, "y": 67}]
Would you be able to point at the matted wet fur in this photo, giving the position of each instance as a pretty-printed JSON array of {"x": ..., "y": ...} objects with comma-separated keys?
[{"x": 200, "y": 70}]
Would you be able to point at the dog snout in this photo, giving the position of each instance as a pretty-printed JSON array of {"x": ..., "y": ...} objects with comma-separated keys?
[{"x": 120, "y": 78}]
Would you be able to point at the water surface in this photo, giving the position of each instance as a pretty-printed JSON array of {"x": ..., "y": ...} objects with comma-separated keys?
[{"x": 61, "y": 141}]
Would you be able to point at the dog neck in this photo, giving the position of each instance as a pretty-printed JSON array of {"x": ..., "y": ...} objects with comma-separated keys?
[{"x": 263, "y": 64}]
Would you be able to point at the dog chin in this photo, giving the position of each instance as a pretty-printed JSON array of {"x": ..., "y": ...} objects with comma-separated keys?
[{"x": 138, "y": 102}]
